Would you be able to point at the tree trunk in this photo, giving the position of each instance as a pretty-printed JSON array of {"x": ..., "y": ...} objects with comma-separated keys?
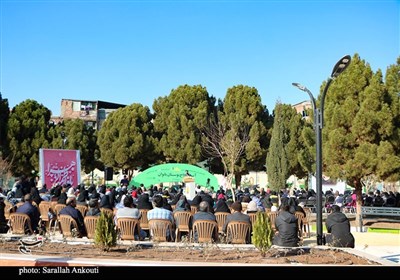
[
  {"x": 229, "y": 185},
  {"x": 359, "y": 201},
  {"x": 238, "y": 179}
]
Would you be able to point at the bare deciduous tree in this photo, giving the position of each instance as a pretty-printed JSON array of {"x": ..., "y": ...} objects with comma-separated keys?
[
  {"x": 228, "y": 144},
  {"x": 5, "y": 170},
  {"x": 369, "y": 182}
]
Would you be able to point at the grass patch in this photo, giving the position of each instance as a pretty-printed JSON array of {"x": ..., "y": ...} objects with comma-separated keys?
[
  {"x": 384, "y": 230},
  {"x": 314, "y": 228},
  {"x": 369, "y": 229}
]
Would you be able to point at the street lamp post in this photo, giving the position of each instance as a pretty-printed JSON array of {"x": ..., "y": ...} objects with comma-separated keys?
[{"x": 340, "y": 66}]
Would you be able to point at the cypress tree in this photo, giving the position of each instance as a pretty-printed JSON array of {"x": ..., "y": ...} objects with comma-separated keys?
[
  {"x": 105, "y": 234},
  {"x": 262, "y": 233}
]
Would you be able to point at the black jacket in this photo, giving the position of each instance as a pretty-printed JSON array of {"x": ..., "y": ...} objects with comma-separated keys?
[
  {"x": 143, "y": 202},
  {"x": 32, "y": 212},
  {"x": 77, "y": 216},
  {"x": 221, "y": 206},
  {"x": 236, "y": 217},
  {"x": 339, "y": 226},
  {"x": 286, "y": 225}
]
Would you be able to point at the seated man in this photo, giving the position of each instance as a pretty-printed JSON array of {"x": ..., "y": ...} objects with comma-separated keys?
[
  {"x": 158, "y": 212},
  {"x": 3, "y": 222},
  {"x": 338, "y": 227},
  {"x": 237, "y": 216},
  {"x": 204, "y": 214},
  {"x": 75, "y": 214},
  {"x": 32, "y": 211},
  {"x": 130, "y": 211},
  {"x": 94, "y": 209},
  {"x": 286, "y": 228}
]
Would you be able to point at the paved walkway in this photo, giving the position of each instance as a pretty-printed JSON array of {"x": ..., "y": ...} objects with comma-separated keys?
[
  {"x": 383, "y": 248},
  {"x": 381, "y": 245}
]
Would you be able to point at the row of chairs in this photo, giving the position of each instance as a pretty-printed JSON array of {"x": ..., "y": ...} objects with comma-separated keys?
[
  {"x": 159, "y": 228},
  {"x": 206, "y": 231},
  {"x": 20, "y": 223},
  {"x": 182, "y": 217}
]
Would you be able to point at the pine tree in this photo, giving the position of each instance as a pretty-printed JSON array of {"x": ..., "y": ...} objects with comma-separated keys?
[
  {"x": 126, "y": 138},
  {"x": 179, "y": 118},
  {"x": 359, "y": 128},
  {"x": 27, "y": 130}
]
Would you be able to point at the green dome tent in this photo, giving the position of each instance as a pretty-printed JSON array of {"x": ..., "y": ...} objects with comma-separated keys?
[{"x": 174, "y": 172}]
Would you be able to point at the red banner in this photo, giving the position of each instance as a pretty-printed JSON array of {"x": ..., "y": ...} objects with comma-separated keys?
[{"x": 60, "y": 167}]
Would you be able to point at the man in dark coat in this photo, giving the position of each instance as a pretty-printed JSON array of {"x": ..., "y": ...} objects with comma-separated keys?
[
  {"x": 286, "y": 229},
  {"x": 338, "y": 227},
  {"x": 143, "y": 202},
  {"x": 3, "y": 222},
  {"x": 31, "y": 210},
  {"x": 236, "y": 216},
  {"x": 204, "y": 214},
  {"x": 75, "y": 214}
]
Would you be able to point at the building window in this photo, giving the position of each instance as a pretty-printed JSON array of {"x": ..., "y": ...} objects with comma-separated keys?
[
  {"x": 304, "y": 113},
  {"x": 87, "y": 106},
  {"x": 76, "y": 106}
]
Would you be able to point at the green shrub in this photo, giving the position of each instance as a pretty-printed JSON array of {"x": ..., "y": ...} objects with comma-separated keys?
[
  {"x": 105, "y": 235},
  {"x": 262, "y": 233}
]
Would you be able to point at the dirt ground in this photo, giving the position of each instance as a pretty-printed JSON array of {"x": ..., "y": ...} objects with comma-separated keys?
[
  {"x": 205, "y": 253},
  {"x": 189, "y": 253}
]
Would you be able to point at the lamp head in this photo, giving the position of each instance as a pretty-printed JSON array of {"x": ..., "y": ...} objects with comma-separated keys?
[
  {"x": 299, "y": 86},
  {"x": 340, "y": 66}
]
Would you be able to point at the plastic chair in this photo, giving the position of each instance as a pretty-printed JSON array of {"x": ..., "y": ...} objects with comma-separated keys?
[
  {"x": 20, "y": 223},
  {"x": 108, "y": 211},
  {"x": 44, "y": 209},
  {"x": 8, "y": 209},
  {"x": 206, "y": 231},
  {"x": 67, "y": 224},
  {"x": 306, "y": 222},
  {"x": 127, "y": 227},
  {"x": 58, "y": 207},
  {"x": 161, "y": 230},
  {"x": 144, "y": 222},
  {"x": 182, "y": 220},
  {"x": 272, "y": 217},
  {"x": 300, "y": 218},
  {"x": 90, "y": 225},
  {"x": 253, "y": 217},
  {"x": 193, "y": 209},
  {"x": 238, "y": 232},
  {"x": 221, "y": 218},
  {"x": 82, "y": 208}
]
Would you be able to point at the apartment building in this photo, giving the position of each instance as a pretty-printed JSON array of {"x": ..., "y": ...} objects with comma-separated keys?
[
  {"x": 302, "y": 107},
  {"x": 92, "y": 112}
]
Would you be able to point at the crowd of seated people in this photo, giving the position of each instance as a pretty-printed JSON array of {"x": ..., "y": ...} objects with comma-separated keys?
[{"x": 162, "y": 202}]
